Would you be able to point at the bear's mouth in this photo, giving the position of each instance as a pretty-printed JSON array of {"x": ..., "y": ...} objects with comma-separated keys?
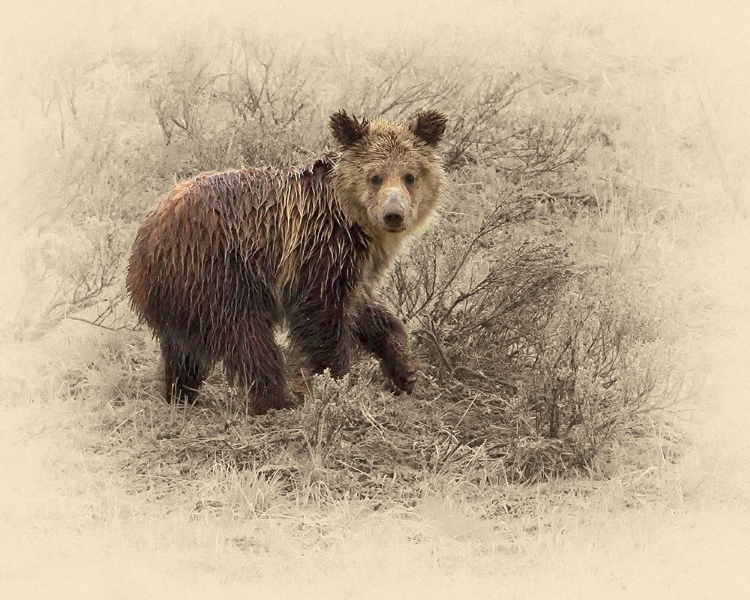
[{"x": 394, "y": 228}]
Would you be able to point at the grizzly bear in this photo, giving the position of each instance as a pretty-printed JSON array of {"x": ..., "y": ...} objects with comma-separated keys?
[{"x": 228, "y": 256}]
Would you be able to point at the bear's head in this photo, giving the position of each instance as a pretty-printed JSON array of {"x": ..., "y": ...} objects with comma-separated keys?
[{"x": 388, "y": 176}]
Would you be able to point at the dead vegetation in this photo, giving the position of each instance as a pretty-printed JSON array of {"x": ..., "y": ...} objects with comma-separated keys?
[{"x": 535, "y": 364}]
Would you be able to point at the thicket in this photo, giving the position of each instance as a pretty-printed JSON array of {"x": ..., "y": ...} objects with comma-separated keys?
[{"x": 533, "y": 362}]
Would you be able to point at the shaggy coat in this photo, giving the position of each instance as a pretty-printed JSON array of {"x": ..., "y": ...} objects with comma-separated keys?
[{"x": 226, "y": 257}]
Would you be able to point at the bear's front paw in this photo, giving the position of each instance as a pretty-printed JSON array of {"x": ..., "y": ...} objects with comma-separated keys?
[{"x": 401, "y": 378}]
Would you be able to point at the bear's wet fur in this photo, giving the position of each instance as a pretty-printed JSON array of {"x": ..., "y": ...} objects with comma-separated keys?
[{"x": 226, "y": 257}]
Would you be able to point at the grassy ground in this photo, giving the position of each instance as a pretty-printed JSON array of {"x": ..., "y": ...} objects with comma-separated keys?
[
  {"x": 76, "y": 524},
  {"x": 108, "y": 492}
]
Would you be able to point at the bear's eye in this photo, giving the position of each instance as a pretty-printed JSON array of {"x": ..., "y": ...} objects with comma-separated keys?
[
  {"x": 409, "y": 179},
  {"x": 376, "y": 180}
]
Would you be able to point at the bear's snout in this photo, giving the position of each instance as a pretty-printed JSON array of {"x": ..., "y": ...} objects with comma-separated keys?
[{"x": 394, "y": 212}]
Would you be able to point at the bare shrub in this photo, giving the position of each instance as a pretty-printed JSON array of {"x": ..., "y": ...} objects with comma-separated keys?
[
  {"x": 249, "y": 107},
  {"x": 398, "y": 84},
  {"x": 78, "y": 275},
  {"x": 181, "y": 92},
  {"x": 265, "y": 87},
  {"x": 601, "y": 365},
  {"x": 476, "y": 298},
  {"x": 545, "y": 365}
]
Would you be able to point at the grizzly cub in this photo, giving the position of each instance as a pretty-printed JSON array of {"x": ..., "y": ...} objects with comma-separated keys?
[{"x": 226, "y": 257}]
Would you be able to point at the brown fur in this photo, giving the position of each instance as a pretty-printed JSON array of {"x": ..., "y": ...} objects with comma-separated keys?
[{"x": 226, "y": 256}]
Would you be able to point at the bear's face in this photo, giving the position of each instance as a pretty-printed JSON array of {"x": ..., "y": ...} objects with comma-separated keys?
[{"x": 388, "y": 176}]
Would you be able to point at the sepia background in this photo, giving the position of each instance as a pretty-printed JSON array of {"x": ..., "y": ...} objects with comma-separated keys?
[{"x": 579, "y": 307}]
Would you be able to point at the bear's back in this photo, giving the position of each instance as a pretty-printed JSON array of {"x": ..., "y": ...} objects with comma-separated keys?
[{"x": 282, "y": 228}]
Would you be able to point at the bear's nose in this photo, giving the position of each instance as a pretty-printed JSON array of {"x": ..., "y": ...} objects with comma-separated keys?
[
  {"x": 393, "y": 217},
  {"x": 394, "y": 212}
]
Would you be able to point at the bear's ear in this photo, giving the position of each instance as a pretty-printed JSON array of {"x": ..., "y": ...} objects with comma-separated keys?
[
  {"x": 429, "y": 126},
  {"x": 347, "y": 130}
]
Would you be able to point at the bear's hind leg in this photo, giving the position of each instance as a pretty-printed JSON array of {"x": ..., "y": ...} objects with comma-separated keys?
[
  {"x": 322, "y": 333},
  {"x": 183, "y": 372}
]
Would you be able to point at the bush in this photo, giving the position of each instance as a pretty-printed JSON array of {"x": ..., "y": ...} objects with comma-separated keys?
[{"x": 549, "y": 363}]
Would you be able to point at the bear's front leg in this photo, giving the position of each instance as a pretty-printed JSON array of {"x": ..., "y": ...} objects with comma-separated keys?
[{"x": 384, "y": 335}]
